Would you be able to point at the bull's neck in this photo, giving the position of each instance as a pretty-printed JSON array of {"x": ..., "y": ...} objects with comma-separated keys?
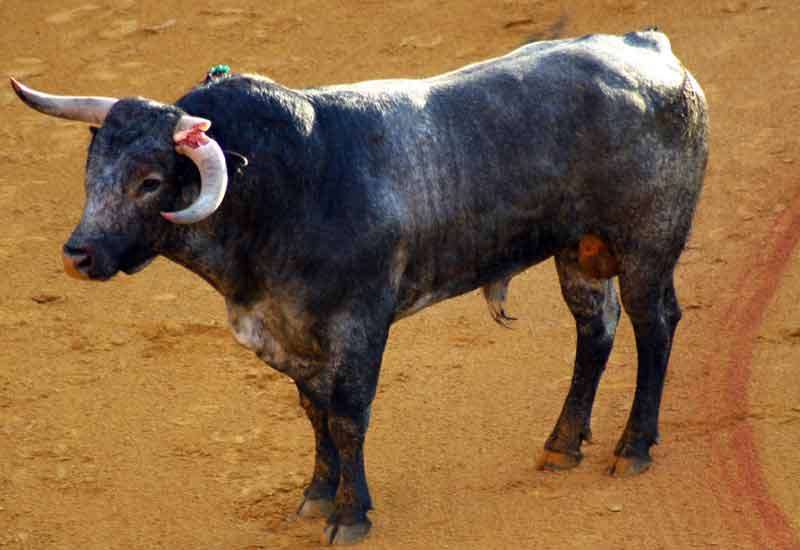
[
  {"x": 236, "y": 248},
  {"x": 227, "y": 250}
]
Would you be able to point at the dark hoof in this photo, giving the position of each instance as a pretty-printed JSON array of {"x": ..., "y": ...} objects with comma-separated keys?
[
  {"x": 345, "y": 535},
  {"x": 624, "y": 466},
  {"x": 554, "y": 461},
  {"x": 312, "y": 508}
]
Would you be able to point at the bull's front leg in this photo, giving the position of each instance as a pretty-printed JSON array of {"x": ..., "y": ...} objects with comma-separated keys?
[
  {"x": 338, "y": 490},
  {"x": 349, "y": 522},
  {"x": 320, "y": 493},
  {"x": 341, "y": 427}
]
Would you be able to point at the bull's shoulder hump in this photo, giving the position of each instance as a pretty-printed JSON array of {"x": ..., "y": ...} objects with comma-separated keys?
[{"x": 388, "y": 92}]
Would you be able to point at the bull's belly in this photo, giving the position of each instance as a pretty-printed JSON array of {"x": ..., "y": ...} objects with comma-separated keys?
[{"x": 422, "y": 287}]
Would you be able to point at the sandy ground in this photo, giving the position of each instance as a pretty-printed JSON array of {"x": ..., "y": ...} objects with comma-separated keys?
[{"x": 129, "y": 419}]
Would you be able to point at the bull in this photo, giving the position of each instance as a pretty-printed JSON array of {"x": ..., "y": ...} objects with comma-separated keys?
[{"x": 350, "y": 207}]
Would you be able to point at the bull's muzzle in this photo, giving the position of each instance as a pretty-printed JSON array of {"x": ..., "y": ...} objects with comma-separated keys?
[{"x": 78, "y": 260}]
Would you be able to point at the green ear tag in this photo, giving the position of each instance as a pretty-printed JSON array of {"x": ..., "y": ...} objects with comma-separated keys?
[{"x": 218, "y": 70}]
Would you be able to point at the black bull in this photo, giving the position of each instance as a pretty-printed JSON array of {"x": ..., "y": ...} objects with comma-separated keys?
[{"x": 362, "y": 204}]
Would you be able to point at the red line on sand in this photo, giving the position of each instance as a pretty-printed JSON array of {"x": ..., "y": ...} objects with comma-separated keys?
[{"x": 771, "y": 529}]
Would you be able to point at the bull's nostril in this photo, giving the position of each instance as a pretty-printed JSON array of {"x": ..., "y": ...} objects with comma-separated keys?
[
  {"x": 75, "y": 250},
  {"x": 78, "y": 260},
  {"x": 84, "y": 263}
]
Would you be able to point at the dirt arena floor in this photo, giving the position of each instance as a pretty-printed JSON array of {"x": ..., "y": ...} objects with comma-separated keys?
[{"x": 130, "y": 419}]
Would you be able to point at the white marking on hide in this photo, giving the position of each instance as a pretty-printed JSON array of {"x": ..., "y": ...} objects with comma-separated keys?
[
  {"x": 247, "y": 327},
  {"x": 278, "y": 348}
]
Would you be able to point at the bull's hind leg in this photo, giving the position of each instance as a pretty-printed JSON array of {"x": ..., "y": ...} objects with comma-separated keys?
[
  {"x": 319, "y": 495},
  {"x": 594, "y": 304},
  {"x": 672, "y": 310},
  {"x": 654, "y": 312}
]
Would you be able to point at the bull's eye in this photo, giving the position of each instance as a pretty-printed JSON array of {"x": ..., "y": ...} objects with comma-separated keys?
[{"x": 149, "y": 185}]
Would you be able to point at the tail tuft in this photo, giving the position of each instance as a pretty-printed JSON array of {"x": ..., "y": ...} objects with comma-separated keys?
[{"x": 495, "y": 294}]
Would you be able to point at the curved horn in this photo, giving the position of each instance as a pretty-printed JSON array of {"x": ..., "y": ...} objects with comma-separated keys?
[
  {"x": 92, "y": 110},
  {"x": 191, "y": 140}
]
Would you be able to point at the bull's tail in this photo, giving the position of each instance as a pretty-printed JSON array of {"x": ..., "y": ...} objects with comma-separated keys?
[
  {"x": 651, "y": 38},
  {"x": 697, "y": 109}
]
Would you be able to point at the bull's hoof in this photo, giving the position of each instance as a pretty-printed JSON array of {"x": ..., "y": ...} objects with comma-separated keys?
[
  {"x": 315, "y": 508},
  {"x": 554, "y": 461},
  {"x": 345, "y": 535},
  {"x": 629, "y": 466}
]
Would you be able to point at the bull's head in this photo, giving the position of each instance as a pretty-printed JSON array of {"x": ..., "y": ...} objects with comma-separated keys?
[{"x": 131, "y": 178}]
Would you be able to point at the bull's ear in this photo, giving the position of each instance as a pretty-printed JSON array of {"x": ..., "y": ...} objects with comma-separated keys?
[{"x": 236, "y": 162}]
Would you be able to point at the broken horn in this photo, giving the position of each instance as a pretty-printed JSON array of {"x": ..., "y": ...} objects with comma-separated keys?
[{"x": 191, "y": 140}]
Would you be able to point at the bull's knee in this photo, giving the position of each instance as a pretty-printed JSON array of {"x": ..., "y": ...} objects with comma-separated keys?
[
  {"x": 612, "y": 308},
  {"x": 600, "y": 329},
  {"x": 595, "y": 340},
  {"x": 643, "y": 308}
]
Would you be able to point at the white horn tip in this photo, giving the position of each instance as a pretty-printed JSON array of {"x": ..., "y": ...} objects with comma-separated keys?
[
  {"x": 19, "y": 88},
  {"x": 23, "y": 92}
]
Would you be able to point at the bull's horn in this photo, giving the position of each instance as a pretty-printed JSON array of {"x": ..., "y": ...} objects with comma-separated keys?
[
  {"x": 92, "y": 110},
  {"x": 191, "y": 140}
]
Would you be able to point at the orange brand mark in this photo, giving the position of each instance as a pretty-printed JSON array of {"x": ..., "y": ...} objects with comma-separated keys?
[{"x": 595, "y": 259}]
